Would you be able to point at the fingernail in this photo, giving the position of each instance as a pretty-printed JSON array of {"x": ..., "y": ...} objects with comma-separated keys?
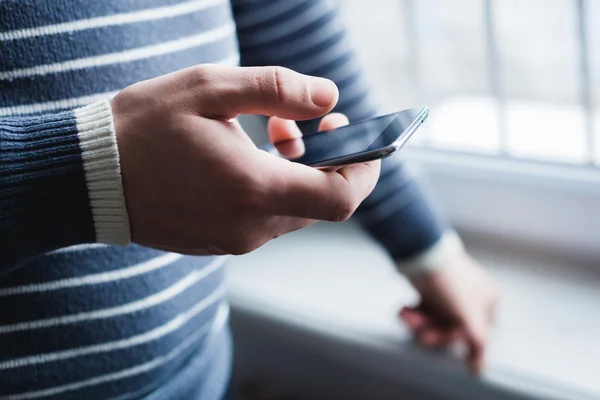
[{"x": 323, "y": 92}]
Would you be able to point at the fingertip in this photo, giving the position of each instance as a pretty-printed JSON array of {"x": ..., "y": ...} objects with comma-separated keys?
[
  {"x": 414, "y": 319},
  {"x": 323, "y": 92}
]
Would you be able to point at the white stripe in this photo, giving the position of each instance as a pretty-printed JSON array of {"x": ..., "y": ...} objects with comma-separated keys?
[
  {"x": 74, "y": 102},
  {"x": 124, "y": 56},
  {"x": 64, "y": 104},
  {"x": 281, "y": 28},
  {"x": 94, "y": 279},
  {"x": 215, "y": 327},
  {"x": 150, "y": 301},
  {"x": 151, "y": 14},
  {"x": 157, "y": 333},
  {"x": 79, "y": 247}
]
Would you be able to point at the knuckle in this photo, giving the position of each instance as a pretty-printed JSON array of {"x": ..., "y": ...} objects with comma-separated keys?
[
  {"x": 276, "y": 84},
  {"x": 203, "y": 75}
]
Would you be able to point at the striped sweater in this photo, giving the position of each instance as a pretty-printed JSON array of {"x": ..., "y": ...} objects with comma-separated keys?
[{"x": 85, "y": 314}]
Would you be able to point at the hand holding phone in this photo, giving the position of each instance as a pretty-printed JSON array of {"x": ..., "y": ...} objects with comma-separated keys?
[{"x": 358, "y": 142}]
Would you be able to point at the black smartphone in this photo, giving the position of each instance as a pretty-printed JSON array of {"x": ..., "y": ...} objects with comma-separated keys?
[{"x": 358, "y": 142}]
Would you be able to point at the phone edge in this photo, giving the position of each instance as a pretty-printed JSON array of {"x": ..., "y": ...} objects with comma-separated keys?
[{"x": 380, "y": 153}]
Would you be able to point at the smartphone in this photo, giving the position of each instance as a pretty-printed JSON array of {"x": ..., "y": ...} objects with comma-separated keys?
[{"x": 358, "y": 142}]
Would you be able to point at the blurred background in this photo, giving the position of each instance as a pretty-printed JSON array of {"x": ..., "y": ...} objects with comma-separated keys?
[
  {"x": 514, "y": 78},
  {"x": 512, "y": 148}
]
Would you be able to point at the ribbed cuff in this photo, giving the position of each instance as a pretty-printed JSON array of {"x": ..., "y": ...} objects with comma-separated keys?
[
  {"x": 433, "y": 258},
  {"x": 98, "y": 143}
]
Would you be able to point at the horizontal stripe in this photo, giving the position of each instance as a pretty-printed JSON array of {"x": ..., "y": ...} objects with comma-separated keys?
[
  {"x": 297, "y": 48},
  {"x": 94, "y": 279},
  {"x": 343, "y": 71},
  {"x": 25, "y": 14},
  {"x": 105, "y": 40},
  {"x": 315, "y": 14},
  {"x": 171, "y": 11},
  {"x": 213, "y": 328},
  {"x": 264, "y": 14},
  {"x": 129, "y": 308},
  {"x": 322, "y": 57},
  {"x": 154, "y": 334},
  {"x": 74, "y": 102},
  {"x": 125, "y": 56},
  {"x": 56, "y": 105},
  {"x": 345, "y": 59},
  {"x": 350, "y": 105},
  {"x": 79, "y": 247},
  {"x": 324, "y": 37}
]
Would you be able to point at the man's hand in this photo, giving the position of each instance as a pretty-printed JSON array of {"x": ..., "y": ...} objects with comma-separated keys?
[
  {"x": 194, "y": 182},
  {"x": 457, "y": 303}
]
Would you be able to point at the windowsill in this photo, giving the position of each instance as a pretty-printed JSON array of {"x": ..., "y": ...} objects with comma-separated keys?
[{"x": 332, "y": 292}]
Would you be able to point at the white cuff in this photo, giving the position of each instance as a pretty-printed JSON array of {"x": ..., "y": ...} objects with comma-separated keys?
[
  {"x": 447, "y": 247},
  {"x": 98, "y": 143}
]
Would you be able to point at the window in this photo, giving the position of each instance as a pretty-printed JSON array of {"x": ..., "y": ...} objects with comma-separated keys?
[
  {"x": 513, "y": 141},
  {"x": 510, "y": 78}
]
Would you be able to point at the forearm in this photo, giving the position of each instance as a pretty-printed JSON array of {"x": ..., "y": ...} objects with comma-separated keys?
[
  {"x": 308, "y": 36},
  {"x": 60, "y": 183}
]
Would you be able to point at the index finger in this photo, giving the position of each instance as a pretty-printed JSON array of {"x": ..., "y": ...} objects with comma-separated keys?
[{"x": 262, "y": 90}]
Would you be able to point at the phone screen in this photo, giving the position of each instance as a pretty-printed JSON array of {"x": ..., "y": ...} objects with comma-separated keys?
[{"x": 356, "y": 138}]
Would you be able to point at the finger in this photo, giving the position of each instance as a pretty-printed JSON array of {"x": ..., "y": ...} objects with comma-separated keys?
[
  {"x": 414, "y": 319},
  {"x": 282, "y": 133},
  {"x": 225, "y": 92},
  {"x": 451, "y": 335},
  {"x": 430, "y": 338},
  {"x": 476, "y": 343},
  {"x": 305, "y": 192},
  {"x": 333, "y": 121},
  {"x": 285, "y": 135}
]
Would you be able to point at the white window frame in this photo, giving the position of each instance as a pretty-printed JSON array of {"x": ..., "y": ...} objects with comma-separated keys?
[{"x": 553, "y": 208}]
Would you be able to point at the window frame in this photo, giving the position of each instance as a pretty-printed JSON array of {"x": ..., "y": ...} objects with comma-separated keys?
[{"x": 550, "y": 207}]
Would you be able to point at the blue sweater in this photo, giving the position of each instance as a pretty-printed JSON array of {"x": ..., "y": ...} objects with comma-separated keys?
[{"x": 84, "y": 318}]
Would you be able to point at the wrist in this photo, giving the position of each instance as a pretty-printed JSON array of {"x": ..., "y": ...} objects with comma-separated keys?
[{"x": 434, "y": 258}]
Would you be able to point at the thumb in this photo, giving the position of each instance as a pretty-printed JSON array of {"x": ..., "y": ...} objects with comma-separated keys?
[{"x": 271, "y": 91}]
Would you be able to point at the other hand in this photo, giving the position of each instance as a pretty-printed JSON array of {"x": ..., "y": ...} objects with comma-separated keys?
[{"x": 457, "y": 304}]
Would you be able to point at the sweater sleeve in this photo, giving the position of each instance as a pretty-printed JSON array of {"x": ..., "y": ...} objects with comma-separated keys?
[
  {"x": 308, "y": 36},
  {"x": 60, "y": 183}
]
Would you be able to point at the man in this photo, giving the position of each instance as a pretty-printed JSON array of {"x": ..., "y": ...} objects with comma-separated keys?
[{"x": 165, "y": 165}]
